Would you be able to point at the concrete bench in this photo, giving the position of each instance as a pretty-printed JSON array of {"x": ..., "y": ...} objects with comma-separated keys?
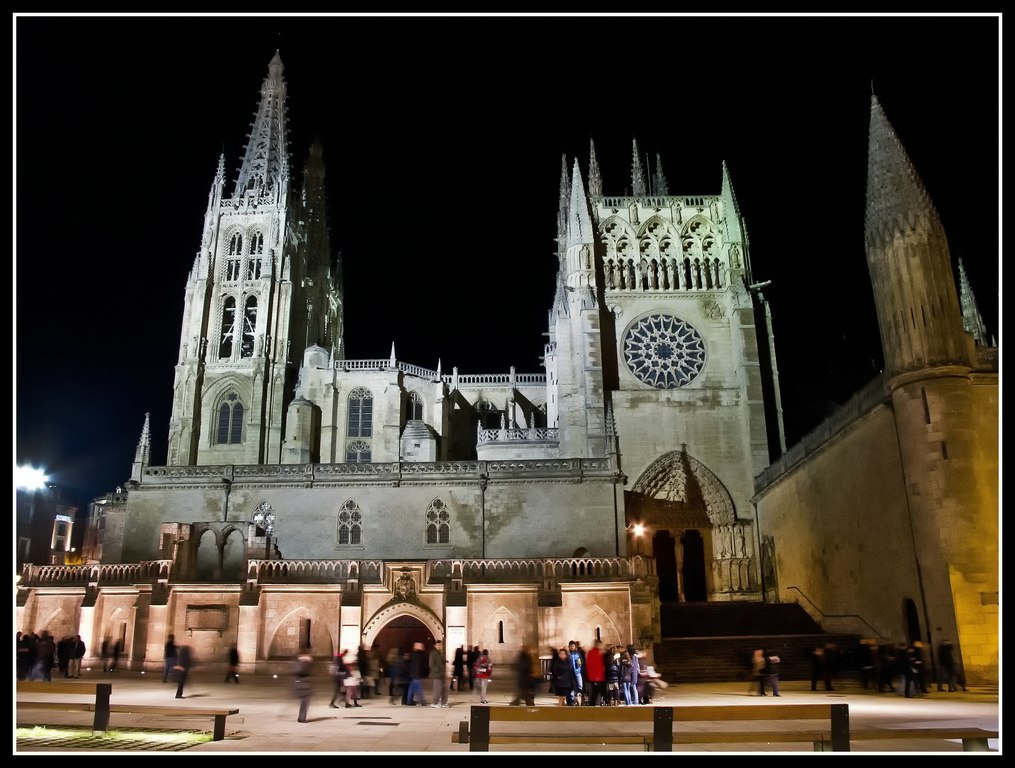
[
  {"x": 834, "y": 729},
  {"x": 973, "y": 739},
  {"x": 101, "y": 706}
]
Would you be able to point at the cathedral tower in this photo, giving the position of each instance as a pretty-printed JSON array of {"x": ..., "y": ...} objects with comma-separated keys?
[
  {"x": 946, "y": 424},
  {"x": 261, "y": 290}
]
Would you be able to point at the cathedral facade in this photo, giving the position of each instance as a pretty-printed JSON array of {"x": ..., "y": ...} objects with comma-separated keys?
[{"x": 312, "y": 500}]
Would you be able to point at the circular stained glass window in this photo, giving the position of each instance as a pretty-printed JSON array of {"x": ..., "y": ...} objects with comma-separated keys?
[{"x": 664, "y": 351}]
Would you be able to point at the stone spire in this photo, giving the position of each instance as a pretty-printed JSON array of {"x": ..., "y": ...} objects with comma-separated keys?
[
  {"x": 211, "y": 212},
  {"x": 266, "y": 157},
  {"x": 972, "y": 322},
  {"x": 141, "y": 455},
  {"x": 322, "y": 275},
  {"x": 660, "y": 187},
  {"x": 731, "y": 211},
  {"x": 908, "y": 258},
  {"x": 579, "y": 226},
  {"x": 565, "y": 196},
  {"x": 595, "y": 180},
  {"x": 637, "y": 174}
]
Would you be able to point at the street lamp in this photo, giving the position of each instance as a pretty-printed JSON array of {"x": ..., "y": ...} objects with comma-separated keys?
[
  {"x": 637, "y": 531},
  {"x": 29, "y": 478}
]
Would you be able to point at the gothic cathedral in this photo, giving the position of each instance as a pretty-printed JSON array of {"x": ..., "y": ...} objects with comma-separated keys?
[{"x": 309, "y": 499}]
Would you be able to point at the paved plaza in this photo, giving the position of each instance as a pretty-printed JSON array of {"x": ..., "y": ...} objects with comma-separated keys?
[{"x": 266, "y": 722}]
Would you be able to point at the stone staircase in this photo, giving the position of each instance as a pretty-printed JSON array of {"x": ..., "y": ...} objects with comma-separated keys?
[{"x": 712, "y": 642}]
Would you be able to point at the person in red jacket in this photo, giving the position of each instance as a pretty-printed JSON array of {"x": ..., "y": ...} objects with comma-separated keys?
[{"x": 595, "y": 672}]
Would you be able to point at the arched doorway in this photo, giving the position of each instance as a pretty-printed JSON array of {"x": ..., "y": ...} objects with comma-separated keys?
[
  {"x": 665, "y": 553},
  {"x": 401, "y": 632},
  {"x": 693, "y": 570}
]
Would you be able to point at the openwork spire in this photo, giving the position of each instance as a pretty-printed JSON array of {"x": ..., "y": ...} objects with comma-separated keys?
[
  {"x": 637, "y": 174},
  {"x": 659, "y": 185},
  {"x": 266, "y": 157},
  {"x": 972, "y": 322},
  {"x": 565, "y": 197},
  {"x": 143, "y": 452},
  {"x": 595, "y": 180},
  {"x": 579, "y": 227}
]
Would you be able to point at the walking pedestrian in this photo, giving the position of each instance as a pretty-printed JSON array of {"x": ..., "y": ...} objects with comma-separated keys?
[
  {"x": 438, "y": 674},
  {"x": 302, "y": 686},
  {"x": 232, "y": 670},
  {"x": 168, "y": 657},
  {"x": 184, "y": 661}
]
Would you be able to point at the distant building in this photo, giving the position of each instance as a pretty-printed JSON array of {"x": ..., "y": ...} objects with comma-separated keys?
[
  {"x": 44, "y": 526},
  {"x": 312, "y": 499}
]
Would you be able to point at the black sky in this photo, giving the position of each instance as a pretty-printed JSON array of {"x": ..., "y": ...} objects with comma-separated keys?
[{"x": 443, "y": 140}]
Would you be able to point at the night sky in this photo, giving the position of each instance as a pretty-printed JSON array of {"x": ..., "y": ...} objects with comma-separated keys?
[{"x": 442, "y": 142}]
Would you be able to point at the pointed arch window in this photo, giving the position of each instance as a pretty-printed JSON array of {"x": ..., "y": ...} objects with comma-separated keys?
[
  {"x": 357, "y": 452},
  {"x": 249, "y": 326},
  {"x": 233, "y": 260},
  {"x": 230, "y": 424},
  {"x": 361, "y": 413},
  {"x": 438, "y": 523},
  {"x": 415, "y": 409},
  {"x": 256, "y": 251},
  {"x": 350, "y": 524},
  {"x": 228, "y": 327}
]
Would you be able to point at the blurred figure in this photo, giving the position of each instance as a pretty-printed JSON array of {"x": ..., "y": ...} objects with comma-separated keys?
[
  {"x": 758, "y": 670},
  {"x": 169, "y": 657},
  {"x": 393, "y": 666},
  {"x": 302, "y": 687},
  {"x": 23, "y": 646},
  {"x": 114, "y": 658},
  {"x": 64, "y": 649},
  {"x": 611, "y": 662},
  {"x": 232, "y": 670},
  {"x": 417, "y": 663},
  {"x": 560, "y": 676},
  {"x": 373, "y": 678},
  {"x": 772, "y": 672},
  {"x": 338, "y": 673},
  {"x": 525, "y": 678},
  {"x": 595, "y": 671},
  {"x": 483, "y": 671},
  {"x": 184, "y": 661},
  {"x": 438, "y": 673},
  {"x": 353, "y": 679},
  {"x": 107, "y": 648},
  {"x": 470, "y": 662},
  {"x": 949, "y": 668},
  {"x": 458, "y": 668},
  {"x": 77, "y": 653},
  {"x": 45, "y": 649}
]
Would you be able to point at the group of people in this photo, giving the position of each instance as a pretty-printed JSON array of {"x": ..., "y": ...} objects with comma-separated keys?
[
  {"x": 608, "y": 675},
  {"x": 37, "y": 654},
  {"x": 355, "y": 674},
  {"x": 904, "y": 667}
]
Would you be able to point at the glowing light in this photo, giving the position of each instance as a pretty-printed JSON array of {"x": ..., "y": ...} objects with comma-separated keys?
[
  {"x": 29, "y": 478},
  {"x": 638, "y": 529}
]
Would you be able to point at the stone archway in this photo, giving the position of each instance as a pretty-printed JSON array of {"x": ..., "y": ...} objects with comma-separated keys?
[
  {"x": 401, "y": 623},
  {"x": 675, "y": 496}
]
